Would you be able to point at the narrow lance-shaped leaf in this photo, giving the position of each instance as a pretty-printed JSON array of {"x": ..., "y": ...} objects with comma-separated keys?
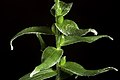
[
  {"x": 70, "y": 28},
  {"x": 77, "y": 69},
  {"x": 75, "y": 39},
  {"x": 42, "y": 43},
  {"x": 50, "y": 56},
  {"x": 44, "y": 74},
  {"x": 32, "y": 30}
]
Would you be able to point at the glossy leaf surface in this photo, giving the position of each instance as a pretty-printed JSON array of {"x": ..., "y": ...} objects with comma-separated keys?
[
  {"x": 32, "y": 30},
  {"x": 77, "y": 69},
  {"x": 50, "y": 57},
  {"x": 70, "y": 28},
  {"x": 75, "y": 39},
  {"x": 65, "y": 8},
  {"x": 44, "y": 74}
]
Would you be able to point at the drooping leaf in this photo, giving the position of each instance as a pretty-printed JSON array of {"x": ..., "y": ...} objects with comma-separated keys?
[
  {"x": 42, "y": 43},
  {"x": 99, "y": 71},
  {"x": 77, "y": 69},
  {"x": 65, "y": 7},
  {"x": 70, "y": 28},
  {"x": 75, "y": 39},
  {"x": 32, "y": 30},
  {"x": 44, "y": 74},
  {"x": 50, "y": 57}
]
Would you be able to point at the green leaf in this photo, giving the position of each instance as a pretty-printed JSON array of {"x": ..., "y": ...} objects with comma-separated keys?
[
  {"x": 42, "y": 43},
  {"x": 65, "y": 8},
  {"x": 99, "y": 71},
  {"x": 73, "y": 68},
  {"x": 64, "y": 73},
  {"x": 63, "y": 60},
  {"x": 48, "y": 52},
  {"x": 44, "y": 74},
  {"x": 50, "y": 57},
  {"x": 32, "y": 30},
  {"x": 70, "y": 28},
  {"x": 75, "y": 39},
  {"x": 77, "y": 69}
]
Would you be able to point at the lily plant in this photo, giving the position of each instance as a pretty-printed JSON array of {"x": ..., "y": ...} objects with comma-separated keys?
[{"x": 66, "y": 32}]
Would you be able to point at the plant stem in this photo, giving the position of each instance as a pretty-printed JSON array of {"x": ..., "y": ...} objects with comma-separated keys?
[
  {"x": 58, "y": 71},
  {"x": 57, "y": 65},
  {"x": 58, "y": 19}
]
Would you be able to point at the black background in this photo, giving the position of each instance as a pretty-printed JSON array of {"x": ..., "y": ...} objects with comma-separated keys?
[{"x": 19, "y": 14}]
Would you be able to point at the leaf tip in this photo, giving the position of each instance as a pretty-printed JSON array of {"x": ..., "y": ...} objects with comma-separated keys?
[
  {"x": 11, "y": 45},
  {"x": 110, "y": 38},
  {"x": 94, "y": 31},
  {"x": 76, "y": 77},
  {"x": 34, "y": 72},
  {"x": 110, "y": 68}
]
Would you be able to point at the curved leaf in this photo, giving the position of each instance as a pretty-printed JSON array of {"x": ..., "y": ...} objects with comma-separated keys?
[
  {"x": 65, "y": 7},
  {"x": 99, "y": 71},
  {"x": 42, "y": 43},
  {"x": 47, "y": 53},
  {"x": 70, "y": 28},
  {"x": 73, "y": 68},
  {"x": 77, "y": 69},
  {"x": 50, "y": 57},
  {"x": 75, "y": 39},
  {"x": 32, "y": 30},
  {"x": 44, "y": 74}
]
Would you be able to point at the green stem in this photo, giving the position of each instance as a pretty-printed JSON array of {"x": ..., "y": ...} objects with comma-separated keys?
[
  {"x": 59, "y": 19},
  {"x": 58, "y": 71},
  {"x": 57, "y": 65}
]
